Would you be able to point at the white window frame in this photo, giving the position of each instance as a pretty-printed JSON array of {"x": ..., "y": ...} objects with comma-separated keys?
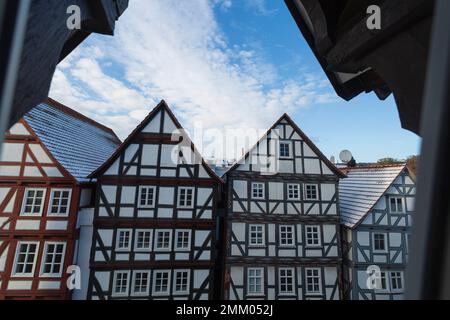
[
  {"x": 53, "y": 275},
  {"x": 24, "y": 202},
  {"x": 165, "y": 293},
  {"x": 140, "y": 195},
  {"x": 385, "y": 242},
  {"x": 149, "y": 283},
  {"x": 50, "y": 203},
  {"x": 175, "y": 291},
  {"x": 387, "y": 282},
  {"x": 179, "y": 198},
  {"x": 257, "y": 185},
  {"x": 286, "y": 293},
  {"x": 320, "y": 281},
  {"x": 114, "y": 293},
  {"x": 305, "y": 186},
  {"x": 136, "y": 238},
  {"x": 262, "y": 282},
  {"x": 177, "y": 248},
  {"x": 402, "y": 201},
  {"x": 156, "y": 232},
  {"x": 317, "y": 230},
  {"x": 292, "y": 233},
  {"x": 130, "y": 240},
  {"x": 289, "y": 144},
  {"x": 263, "y": 235},
  {"x": 15, "y": 274},
  {"x": 297, "y": 186},
  {"x": 401, "y": 279}
]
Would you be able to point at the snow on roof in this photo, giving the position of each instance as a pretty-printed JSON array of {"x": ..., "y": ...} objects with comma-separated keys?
[
  {"x": 362, "y": 188},
  {"x": 77, "y": 142}
]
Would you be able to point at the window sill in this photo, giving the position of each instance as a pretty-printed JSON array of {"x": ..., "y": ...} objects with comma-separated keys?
[{"x": 255, "y": 295}]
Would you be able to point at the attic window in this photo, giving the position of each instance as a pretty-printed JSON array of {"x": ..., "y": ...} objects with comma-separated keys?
[
  {"x": 285, "y": 150},
  {"x": 396, "y": 205}
]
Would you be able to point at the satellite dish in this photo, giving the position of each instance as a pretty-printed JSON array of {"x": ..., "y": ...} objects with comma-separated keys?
[
  {"x": 345, "y": 156},
  {"x": 332, "y": 159}
]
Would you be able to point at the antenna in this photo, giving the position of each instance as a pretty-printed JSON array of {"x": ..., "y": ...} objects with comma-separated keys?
[{"x": 345, "y": 156}]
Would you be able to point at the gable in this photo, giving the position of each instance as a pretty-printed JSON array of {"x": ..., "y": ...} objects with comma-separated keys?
[
  {"x": 365, "y": 196},
  {"x": 24, "y": 156},
  {"x": 158, "y": 147},
  {"x": 161, "y": 123},
  {"x": 303, "y": 156}
]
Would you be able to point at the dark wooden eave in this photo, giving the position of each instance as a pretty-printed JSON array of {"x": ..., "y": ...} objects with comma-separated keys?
[
  {"x": 48, "y": 41},
  {"x": 356, "y": 59}
]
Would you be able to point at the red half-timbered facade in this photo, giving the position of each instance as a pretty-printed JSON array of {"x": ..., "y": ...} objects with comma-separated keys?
[
  {"x": 155, "y": 217},
  {"x": 43, "y": 181}
]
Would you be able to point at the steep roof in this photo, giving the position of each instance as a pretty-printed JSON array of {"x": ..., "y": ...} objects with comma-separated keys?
[
  {"x": 161, "y": 106},
  {"x": 305, "y": 138},
  {"x": 362, "y": 188},
  {"x": 77, "y": 142}
]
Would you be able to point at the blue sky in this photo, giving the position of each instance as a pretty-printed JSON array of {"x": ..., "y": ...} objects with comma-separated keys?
[{"x": 223, "y": 64}]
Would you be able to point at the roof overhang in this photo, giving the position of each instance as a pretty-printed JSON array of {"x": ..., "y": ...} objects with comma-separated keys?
[
  {"x": 356, "y": 59},
  {"x": 48, "y": 40}
]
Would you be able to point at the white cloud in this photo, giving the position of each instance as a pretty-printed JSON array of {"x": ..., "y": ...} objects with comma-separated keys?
[
  {"x": 175, "y": 50},
  {"x": 223, "y": 4},
  {"x": 260, "y": 7}
]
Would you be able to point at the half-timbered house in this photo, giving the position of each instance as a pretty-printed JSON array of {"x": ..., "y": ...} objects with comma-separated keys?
[
  {"x": 155, "y": 216},
  {"x": 377, "y": 205},
  {"x": 282, "y": 229},
  {"x": 45, "y": 160}
]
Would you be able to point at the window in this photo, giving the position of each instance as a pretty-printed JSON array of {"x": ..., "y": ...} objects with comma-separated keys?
[
  {"x": 313, "y": 280},
  {"x": 163, "y": 240},
  {"x": 161, "y": 282},
  {"x": 311, "y": 192},
  {"x": 143, "y": 240},
  {"x": 255, "y": 281},
  {"x": 286, "y": 235},
  {"x": 181, "y": 281},
  {"x": 121, "y": 282},
  {"x": 123, "y": 241},
  {"x": 25, "y": 261},
  {"x": 33, "y": 202},
  {"x": 257, "y": 190},
  {"x": 257, "y": 235},
  {"x": 183, "y": 240},
  {"x": 185, "y": 197},
  {"x": 286, "y": 281},
  {"x": 52, "y": 264},
  {"x": 379, "y": 242},
  {"x": 285, "y": 150},
  {"x": 147, "y": 197},
  {"x": 59, "y": 202},
  {"x": 141, "y": 283},
  {"x": 396, "y": 281},
  {"x": 383, "y": 281},
  {"x": 313, "y": 236},
  {"x": 396, "y": 205},
  {"x": 293, "y": 191}
]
